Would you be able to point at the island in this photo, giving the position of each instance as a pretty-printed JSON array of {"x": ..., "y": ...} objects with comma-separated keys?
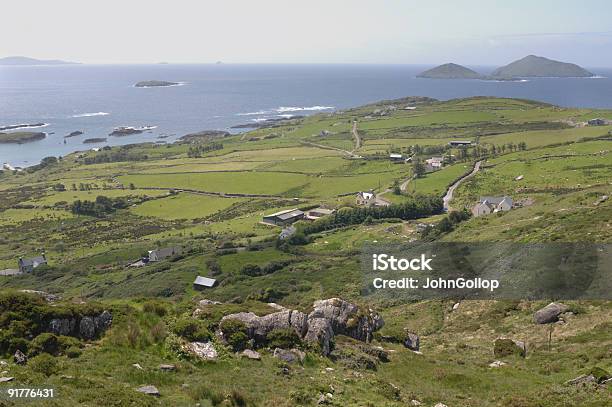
[
  {"x": 155, "y": 84},
  {"x": 74, "y": 134},
  {"x": 95, "y": 140},
  {"x": 26, "y": 61},
  {"x": 535, "y": 66},
  {"x": 450, "y": 71},
  {"x": 21, "y": 137},
  {"x": 22, "y": 126}
]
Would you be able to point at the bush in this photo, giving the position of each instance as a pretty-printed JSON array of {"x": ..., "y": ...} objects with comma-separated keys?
[
  {"x": 45, "y": 364},
  {"x": 285, "y": 338},
  {"x": 192, "y": 329},
  {"x": 45, "y": 343},
  {"x": 73, "y": 352},
  {"x": 235, "y": 333}
]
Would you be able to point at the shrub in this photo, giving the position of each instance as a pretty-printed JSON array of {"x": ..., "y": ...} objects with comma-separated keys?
[
  {"x": 45, "y": 364},
  {"x": 159, "y": 332},
  {"x": 285, "y": 338},
  {"x": 73, "y": 352},
  {"x": 45, "y": 343},
  {"x": 192, "y": 329},
  {"x": 507, "y": 347},
  {"x": 235, "y": 333}
]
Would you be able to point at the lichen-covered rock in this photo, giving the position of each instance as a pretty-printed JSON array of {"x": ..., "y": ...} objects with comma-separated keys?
[
  {"x": 19, "y": 358},
  {"x": 203, "y": 350},
  {"x": 329, "y": 318},
  {"x": 320, "y": 332},
  {"x": 87, "y": 328},
  {"x": 149, "y": 390},
  {"x": 549, "y": 313},
  {"x": 347, "y": 318},
  {"x": 259, "y": 327},
  {"x": 102, "y": 322},
  {"x": 412, "y": 341},
  {"x": 289, "y": 356},
  {"x": 251, "y": 354},
  {"x": 63, "y": 326}
]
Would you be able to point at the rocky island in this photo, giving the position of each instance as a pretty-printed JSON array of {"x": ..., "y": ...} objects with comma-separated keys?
[
  {"x": 450, "y": 71},
  {"x": 74, "y": 134},
  {"x": 155, "y": 84},
  {"x": 95, "y": 140},
  {"x": 21, "y": 137},
  {"x": 535, "y": 66}
]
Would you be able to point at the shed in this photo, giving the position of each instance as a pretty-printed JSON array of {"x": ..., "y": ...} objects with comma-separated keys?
[{"x": 201, "y": 283}]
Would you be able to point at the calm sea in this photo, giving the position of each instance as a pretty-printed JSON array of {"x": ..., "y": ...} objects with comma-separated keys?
[{"x": 96, "y": 98}]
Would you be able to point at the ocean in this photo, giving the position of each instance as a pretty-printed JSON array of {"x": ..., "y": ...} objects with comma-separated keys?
[{"x": 95, "y": 99}]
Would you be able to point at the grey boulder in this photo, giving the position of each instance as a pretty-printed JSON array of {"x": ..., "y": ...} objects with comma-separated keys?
[{"x": 549, "y": 313}]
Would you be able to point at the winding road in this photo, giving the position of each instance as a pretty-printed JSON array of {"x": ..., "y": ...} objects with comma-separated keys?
[
  {"x": 356, "y": 136},
  {"x": 449, "y": 193}
]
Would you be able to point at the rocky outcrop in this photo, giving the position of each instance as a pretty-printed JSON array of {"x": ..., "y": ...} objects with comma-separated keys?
[
  {"x": 19, "y": 358},
  {"x": 203, "y": 350},
  {"x": 149, "y": 390},
  {"x": 329, "y": 318},
  {"x": 289, "y": 356},
  {"x": 251, "y": 354},
  {"x": 412, "y": 341},
  {"x": 549, "y": 313},
  {"x": 88, "y": 327}
]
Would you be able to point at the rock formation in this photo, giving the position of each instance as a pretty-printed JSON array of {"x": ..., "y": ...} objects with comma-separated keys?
[{"x": 329, "y": 318}]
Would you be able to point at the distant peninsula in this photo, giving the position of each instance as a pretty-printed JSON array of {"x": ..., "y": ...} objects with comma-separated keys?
[
  {"x": 531, "y": 66},
  {"x": 535, "y": 66},
  {"x": 21, "y": 137},
  {"x": 154, "y": 84},
  {"x": 450, "y": 71},
  {"x": 26, "y": 61}
]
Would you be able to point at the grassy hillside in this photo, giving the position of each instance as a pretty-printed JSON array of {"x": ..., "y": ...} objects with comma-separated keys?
[{"x": 211, "y": 204}]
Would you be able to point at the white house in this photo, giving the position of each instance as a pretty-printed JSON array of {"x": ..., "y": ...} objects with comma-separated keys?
[
  {"x": 434, "y": 164},
  {"x": 366, "y": 198},
  {"x": 492, "y": 204}
]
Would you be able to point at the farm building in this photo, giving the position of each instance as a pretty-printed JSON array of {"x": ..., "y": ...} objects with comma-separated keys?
[
  {"x": 201, "y": 283},
  {"x": 460, "y": 143},
  {"x": 434, "y": 164},
  {"x": 492, "y": 204},
  {"x": 366, "y": 198},
  {"x": 317, "y": 213},
  {"x": 160, "y": 254},
  {"x": 283, "y": 218},
  {"x": 28, "y": 265},
  {"x": 396, "y": 158},
  {"x": 597, "y": 122}
]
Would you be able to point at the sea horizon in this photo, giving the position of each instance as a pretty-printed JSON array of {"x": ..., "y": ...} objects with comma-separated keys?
[{"x": 96, "y": 98}]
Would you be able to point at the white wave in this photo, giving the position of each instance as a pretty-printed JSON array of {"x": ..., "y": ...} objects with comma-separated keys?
[
  {"x": 597, "y": 77},
  {"x": 284, "y": 109},
  {"x": 90, "y": 114},
  {"x": 285, "y": 116},
  {"x": 258, "y": 113}
]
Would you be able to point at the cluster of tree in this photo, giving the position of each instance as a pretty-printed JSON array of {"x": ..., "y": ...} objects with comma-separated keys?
[
  {"x": 99, "y": 208},
  {"x": 446, "y": 225},
  {"x": 197, "y": 150},
  {"x": 44, "y": 163},
  {"x": 414, "y": 207},
  {"x": 115, "y": 156},
  {"x": 253, "y": 270}
]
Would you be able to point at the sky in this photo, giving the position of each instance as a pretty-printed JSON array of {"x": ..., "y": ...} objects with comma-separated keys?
[{"x": 468, "y": 32}]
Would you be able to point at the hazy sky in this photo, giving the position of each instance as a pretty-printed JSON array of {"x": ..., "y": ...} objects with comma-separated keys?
[{"x": 487, "y": 32}]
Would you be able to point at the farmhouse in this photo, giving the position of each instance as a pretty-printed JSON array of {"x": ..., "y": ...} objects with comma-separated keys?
[
  {"x": 317, "y": 213},
  {"x": 366, "y": 198},
  {"x": 460, "y": 143},
  {"x": 160, "y": 254},
  {"x": 201, "y": 283},
  {"x": 434, "y": 164},
  {"x": 492, "y": 204},
  {"x": 28, "y": 265},
  {"x": 284, "y": 218},
  {"x": 396, "y": 158}
]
